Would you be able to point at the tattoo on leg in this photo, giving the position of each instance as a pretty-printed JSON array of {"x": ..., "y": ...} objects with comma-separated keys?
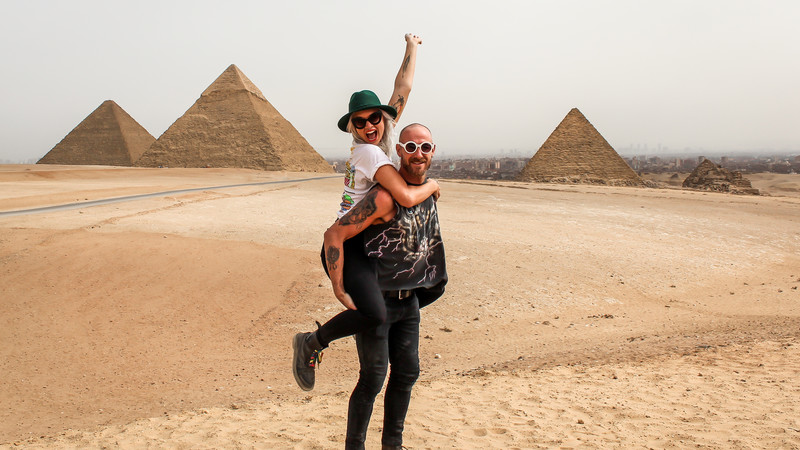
[
  {"x": 399, "y": 103},
  {"x": 361, "y": 212},
  {"x": 332, "y": 257}
]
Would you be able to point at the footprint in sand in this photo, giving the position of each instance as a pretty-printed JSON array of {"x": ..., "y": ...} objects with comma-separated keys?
[{"x": 483, "y": 431}]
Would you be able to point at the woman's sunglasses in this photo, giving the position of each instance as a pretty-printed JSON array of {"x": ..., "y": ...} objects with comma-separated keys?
[
  {"x": 374, "y": 118},
  {"x": 411, "y": 147}
]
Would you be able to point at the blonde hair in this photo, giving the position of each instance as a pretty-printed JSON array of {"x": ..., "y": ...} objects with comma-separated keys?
[{"x": 386, "y": 143}]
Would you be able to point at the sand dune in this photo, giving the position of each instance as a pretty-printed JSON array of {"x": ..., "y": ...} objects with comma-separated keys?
[{"x": 575, "y": 316}]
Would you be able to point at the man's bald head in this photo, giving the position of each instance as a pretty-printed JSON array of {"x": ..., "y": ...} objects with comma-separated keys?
[{"x": 413, "y": 126}]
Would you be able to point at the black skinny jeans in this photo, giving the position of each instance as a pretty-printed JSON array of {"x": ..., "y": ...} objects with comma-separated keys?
[
  {"x": 361, "y": 282},
  {"x": 395, "y": 343}
]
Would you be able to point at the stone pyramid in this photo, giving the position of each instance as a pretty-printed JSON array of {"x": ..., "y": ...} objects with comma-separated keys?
[
  {"x": 233, "y": 125},
  {"x": 108, "y": 136},
  {"x": 577, "y": 153},
  {"x": 711, "y": 177}
]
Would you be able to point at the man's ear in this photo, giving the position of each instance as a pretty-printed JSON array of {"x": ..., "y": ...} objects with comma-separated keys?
[{"x": 398, "y": 149}]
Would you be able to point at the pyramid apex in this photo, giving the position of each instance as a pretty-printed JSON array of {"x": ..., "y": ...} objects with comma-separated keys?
[
  {"x": 709, "y": 163},
  {"x": 233, "y": 79},
  {"x": 109, "y": 104},
  {"x": 575, "y": 111}
]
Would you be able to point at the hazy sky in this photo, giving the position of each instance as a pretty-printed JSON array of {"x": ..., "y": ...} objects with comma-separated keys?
[{"x": 491, "y": 75}]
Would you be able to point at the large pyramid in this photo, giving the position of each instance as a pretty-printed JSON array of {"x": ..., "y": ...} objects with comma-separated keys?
[
  {"x": 577, "y": 153},
  {"x": 108, "y": 137},
  {"x": 233, "y": 125}
]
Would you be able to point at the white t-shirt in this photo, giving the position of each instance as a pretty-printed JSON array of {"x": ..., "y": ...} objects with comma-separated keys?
[{"x": 359, "y": 175}]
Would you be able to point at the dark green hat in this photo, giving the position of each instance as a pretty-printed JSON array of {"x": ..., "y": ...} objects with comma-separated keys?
[{"x": 360, "y": 101}]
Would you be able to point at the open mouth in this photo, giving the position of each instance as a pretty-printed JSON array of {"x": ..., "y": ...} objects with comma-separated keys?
[{"x": 372, "y": 135}]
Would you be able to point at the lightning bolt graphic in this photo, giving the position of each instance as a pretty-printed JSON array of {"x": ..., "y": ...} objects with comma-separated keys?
[{"x": 408, "y": 238}]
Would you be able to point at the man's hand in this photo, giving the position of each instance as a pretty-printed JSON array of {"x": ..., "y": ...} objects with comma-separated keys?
[{"x": 438, "y": 191}]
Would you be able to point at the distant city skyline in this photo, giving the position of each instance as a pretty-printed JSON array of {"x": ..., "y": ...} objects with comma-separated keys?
[
  {"x": 627, "y": 153},
  {"x": 624, "y": 152},
  {"x": 717, "y": 76}
]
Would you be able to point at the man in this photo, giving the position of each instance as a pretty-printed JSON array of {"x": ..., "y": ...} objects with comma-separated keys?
[{"x": 406, "y": 246}]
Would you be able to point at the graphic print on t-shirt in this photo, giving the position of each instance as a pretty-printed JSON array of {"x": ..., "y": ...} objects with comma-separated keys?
[
  {"x": 408, "y": 249},
  {"x": 349, "y": 176},
  {"x": 347, "y": 202}
]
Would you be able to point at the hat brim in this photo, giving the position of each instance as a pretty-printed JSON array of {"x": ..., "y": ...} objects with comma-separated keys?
[{"x": 346, "y": 118}]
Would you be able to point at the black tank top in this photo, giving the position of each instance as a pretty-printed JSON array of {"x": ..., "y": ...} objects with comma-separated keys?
[{"x": 408, "y": 250}]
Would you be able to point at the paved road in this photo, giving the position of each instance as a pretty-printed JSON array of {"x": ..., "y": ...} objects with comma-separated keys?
[{"x": 106, "y": 201}]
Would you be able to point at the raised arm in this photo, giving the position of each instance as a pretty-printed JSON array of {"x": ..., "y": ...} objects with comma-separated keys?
[
  {"x": 406, "y": 195},
  {"x": 376, "y": 207},
  {"x": 405, "y": 76}
]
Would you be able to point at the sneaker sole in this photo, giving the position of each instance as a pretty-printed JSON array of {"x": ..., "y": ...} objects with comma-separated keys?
[{"x": 297, "y": 344}]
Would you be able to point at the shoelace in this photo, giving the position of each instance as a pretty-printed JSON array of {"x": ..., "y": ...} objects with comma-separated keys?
[
  {"x": 316, "y": 359},
  {"x": 316, "y": 355}
]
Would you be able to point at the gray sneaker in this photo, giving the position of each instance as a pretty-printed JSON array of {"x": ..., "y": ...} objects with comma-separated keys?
[{"x": 307, "y": 355}]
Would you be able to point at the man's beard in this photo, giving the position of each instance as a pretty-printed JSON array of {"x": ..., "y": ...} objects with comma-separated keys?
[{"x": 418, "y": 171}]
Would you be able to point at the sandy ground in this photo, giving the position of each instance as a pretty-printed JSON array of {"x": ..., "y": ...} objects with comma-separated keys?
[{"x": 576, "y": 316}]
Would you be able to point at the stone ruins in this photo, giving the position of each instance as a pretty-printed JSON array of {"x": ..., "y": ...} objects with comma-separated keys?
[
  {"x": 711, "y": 177},
  {"x": 233, "y": 125},
  {"x": 577, "y": 153},
  {"x": 107, "y": 137}
]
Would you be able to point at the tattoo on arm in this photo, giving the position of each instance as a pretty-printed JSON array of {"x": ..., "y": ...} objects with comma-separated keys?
[
  {"x": 399, "y": 102},
  {"x": 361, "y": 212},
  {"x": 332, "y": 257},
  {"x": 405, "y": 63}
]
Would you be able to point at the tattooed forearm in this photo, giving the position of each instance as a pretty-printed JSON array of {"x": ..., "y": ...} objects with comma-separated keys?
[
  {"x": 405, "y": 64},
  {"x": 332, "y": 258},
  {"x": 399, "y": 103},
  {"x": 361, "y": 212}
]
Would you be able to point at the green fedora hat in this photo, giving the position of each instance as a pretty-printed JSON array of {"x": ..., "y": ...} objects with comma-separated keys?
[{"x": 360, "y": 101}]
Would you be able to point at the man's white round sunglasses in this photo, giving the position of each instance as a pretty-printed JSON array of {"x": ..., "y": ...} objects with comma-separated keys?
[{"x": 411, "y": 147}]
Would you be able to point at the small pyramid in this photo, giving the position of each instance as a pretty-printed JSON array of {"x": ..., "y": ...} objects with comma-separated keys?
[
  {"x": 577, "y": 153},
  {"x": 107, "y": 137},
  {"x": 708, "y": 176},
  {"x": 233, "y": 125}
]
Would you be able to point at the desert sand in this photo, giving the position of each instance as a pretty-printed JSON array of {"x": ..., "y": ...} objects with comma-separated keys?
[{"x": 575, "y": 316}]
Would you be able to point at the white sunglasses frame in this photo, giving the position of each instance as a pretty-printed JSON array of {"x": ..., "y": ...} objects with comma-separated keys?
[{"x": 419, "y": 146}]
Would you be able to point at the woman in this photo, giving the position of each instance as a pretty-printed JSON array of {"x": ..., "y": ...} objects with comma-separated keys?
[{"x": 371, "y": 124}]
